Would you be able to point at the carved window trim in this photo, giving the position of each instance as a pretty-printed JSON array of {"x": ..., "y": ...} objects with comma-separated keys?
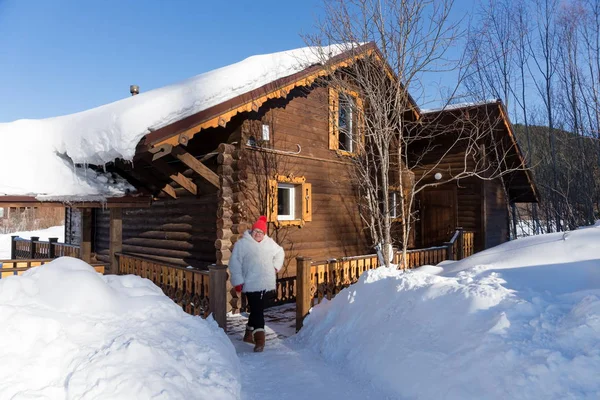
[
  {"x": 357, "y": 121},
  {"x": 303, "y": 198}
]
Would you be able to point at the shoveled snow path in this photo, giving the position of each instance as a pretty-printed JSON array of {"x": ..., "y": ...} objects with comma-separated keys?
[{"x": 287, "y": 371}]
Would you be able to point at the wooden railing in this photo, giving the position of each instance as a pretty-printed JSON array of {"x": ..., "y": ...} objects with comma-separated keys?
[
  {"x": 35, "y": 248},
  {"x": 316, "y": 280},
  {"x": 17, "y": 267},
  {"x": 197, "y": 292}
]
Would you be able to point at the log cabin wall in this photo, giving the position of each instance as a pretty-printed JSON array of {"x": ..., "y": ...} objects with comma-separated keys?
[
  {"x": 72, "y": 225},
  {"x": 496, "y": 214},
  {"x": 302, "y": 120},
  {"x": 180, "y": 231},
  {"x": 468, "y": 191}
]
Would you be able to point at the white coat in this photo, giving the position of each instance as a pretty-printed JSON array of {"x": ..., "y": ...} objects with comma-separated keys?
[{"x": 253, "y": 263}]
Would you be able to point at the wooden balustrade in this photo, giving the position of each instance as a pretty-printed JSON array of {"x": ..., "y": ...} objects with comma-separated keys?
[
  {"x": 197, "y": 292},
  {"x": 36, "y": 249},
  {"x": 17, "y": 267},
  {"x": 317, "y": 280}
]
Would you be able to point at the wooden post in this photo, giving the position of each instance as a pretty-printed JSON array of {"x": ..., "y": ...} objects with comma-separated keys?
[
  {"x": 13, "y": 247},
  {"x": 51, "y": 247},
  {"x": 115, "y": 239},
  {"x": 303, "y": 300},
  {"x": 217, "y": 294},
  {"x": 449, "y": 250},
  {"x": 85, "y": 250},
  {"x": 33, "y": 246},
  {"x": 461, "y": 244}
]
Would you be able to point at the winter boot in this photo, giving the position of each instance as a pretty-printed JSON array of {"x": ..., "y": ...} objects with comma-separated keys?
[
  {"x": 259, "y": 340},
  {"x": 248, "y": 337}
]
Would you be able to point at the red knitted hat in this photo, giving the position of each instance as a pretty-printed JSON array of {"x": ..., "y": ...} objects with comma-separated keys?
[{"x": 261, "y": 224}]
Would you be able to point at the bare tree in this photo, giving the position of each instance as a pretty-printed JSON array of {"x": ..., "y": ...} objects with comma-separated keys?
[{"x": 412, "y": 38}]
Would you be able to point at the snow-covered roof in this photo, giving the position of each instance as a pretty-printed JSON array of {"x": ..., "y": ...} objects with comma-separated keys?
[
  {"x": 457, "y": 106},
  {"x": 39, "y": 156}
]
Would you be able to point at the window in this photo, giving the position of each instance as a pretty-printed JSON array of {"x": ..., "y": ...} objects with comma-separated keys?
[
  {"x": 345, "y": 122},
  {"x": 344, "y": 107},
  {"x": 1, "y": 212},
  {"x": 289, "y": 201},
  {"x": 286, "y": 199}
]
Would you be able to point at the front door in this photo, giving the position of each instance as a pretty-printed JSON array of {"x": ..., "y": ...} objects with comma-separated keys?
[{"x": 438, "y": 215}]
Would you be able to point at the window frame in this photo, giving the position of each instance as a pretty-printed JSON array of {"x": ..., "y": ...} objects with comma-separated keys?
[
  {"x": 302, "y": 201},
  {"x": 291, "y": 198},
  {"x": 357, "y": 122}
]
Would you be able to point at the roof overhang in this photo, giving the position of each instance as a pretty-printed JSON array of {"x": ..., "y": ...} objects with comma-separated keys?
[
  {"x": 180, "y": 132},
  {"x": 114, "y": 202}
]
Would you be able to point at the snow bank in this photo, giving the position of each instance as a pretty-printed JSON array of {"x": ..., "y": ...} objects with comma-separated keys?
[
  {"x": 521, "y": 320},
  {"x": 111, "y": 131},
  {"x": 44, "y": 234},
  {"x": 68, "y": 332}
]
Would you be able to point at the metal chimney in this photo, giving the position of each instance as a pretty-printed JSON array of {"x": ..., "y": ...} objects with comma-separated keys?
[{"x": 134, "y": 89}]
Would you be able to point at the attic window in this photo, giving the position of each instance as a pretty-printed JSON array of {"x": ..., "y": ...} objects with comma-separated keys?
[{"x": 344, "y": 111}]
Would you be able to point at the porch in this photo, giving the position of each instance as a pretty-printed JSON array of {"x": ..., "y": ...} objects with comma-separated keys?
[{"x": 203, "y": 292}]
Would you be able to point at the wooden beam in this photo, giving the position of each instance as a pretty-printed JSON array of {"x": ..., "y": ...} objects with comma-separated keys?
[
  {"x": 168, "y": 189},
  {"x": 113, "y": 202},
  {"x": 177, "y": 177},
  {"x": 85, "y": 249},
  {"x": 196, "y": 166},
  {"x": 115, "y": 238}
]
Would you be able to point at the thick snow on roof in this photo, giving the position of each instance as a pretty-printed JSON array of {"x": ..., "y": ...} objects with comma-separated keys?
[
  {"x": 457, "y": 106},
  {"x": 38, "y": 155},
  {"x": 71, "y": 333},
  {"x": 518, "y": 321}
]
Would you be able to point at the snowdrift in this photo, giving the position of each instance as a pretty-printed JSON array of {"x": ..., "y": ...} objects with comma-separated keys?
[
  {"x": 70, "y": 333},
  {"x": 521, "y": 321}
]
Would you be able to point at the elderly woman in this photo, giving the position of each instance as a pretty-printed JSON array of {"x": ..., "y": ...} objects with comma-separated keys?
[{"x": 254, "y": 264}]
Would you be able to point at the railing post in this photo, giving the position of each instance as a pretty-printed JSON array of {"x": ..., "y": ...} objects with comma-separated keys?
[
  {"x": 461, "y": 244},
  {"x": 303, "y": 265},
  {"x": 33, "y": 239},
  {"x": 51, "y": 247},
  {"x": 85, "y": 247},
  {"x": 115, "y": 238},
  {"x": 449, "y": 250},
  {"x": 13, "y": 247},
  {"x": 217, "y": 294}
]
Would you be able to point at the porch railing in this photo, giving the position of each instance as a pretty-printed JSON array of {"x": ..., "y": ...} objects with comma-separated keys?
[
  {"x": 34, "y": 248},
  {"x": 17, "y": 267},
  {"x": 197, "y": 292}
]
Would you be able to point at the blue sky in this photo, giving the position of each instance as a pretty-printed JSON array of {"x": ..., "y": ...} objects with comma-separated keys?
[{"x": 62, "y": 56}]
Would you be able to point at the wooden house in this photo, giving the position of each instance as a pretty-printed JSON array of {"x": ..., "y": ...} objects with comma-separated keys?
[{"x": 203, "y": 179}]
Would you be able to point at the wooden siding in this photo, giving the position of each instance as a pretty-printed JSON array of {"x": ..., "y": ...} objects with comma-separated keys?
[
  {"x": 336, "y": 228},
  {"x": 181, "y": 231},
  {"x": 496, "y": 214}
]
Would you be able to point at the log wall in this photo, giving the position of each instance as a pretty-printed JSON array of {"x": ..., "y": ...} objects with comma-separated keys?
[
  {"x": 180, "y": 231},
  {"x": 336, "y": 228},
  {"x": 496, "y": 214}
]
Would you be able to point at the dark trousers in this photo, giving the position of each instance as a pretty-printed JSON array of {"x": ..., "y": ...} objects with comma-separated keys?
[{"x": 256, "y": 302}]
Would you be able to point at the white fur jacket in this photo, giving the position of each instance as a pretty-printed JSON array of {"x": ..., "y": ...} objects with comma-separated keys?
[{"x": 254, "y": 263}]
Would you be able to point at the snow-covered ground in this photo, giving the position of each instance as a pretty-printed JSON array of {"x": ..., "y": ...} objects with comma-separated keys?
[
  {"x": 70, "y": 333},
  {"x": 519, "y": 321},
  {"x": 44, "y": 234}
]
